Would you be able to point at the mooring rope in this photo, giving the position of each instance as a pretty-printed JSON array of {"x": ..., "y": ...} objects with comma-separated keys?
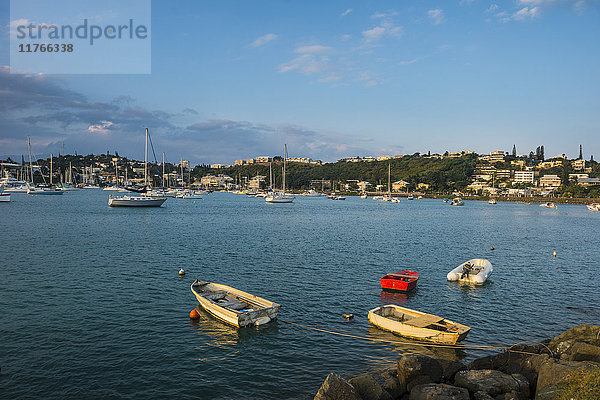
[{"x": 416, "y": 343}]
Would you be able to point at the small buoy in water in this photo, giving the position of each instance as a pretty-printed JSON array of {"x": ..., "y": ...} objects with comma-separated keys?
[
  {"x": 492, "y": 248},
  {"x": 554, "y": 254},
  {"x": 348, "y": 316},
  {"x": 181, "y": 272},
  {"x": 194, "y": 314}
]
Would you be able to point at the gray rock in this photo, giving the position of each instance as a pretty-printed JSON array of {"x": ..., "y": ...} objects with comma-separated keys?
[
  {"x": 552, "y": 371},
  {"x": 450, "y": 368},
  {"x": 514, "y": 363},
  {"x": 482, "y": 396},
  {"x": 582, "y": 351},
  {"x": 438, "y": 391},
  {"x": 368, "y": 388},
  {"x": 582, "y": 333},
  {"x": 419, "y": 380},
  {"x": 336, "y": 388},
  {"x": 411, "y": 367},
  {"x": 492, "y": 382},
  {"x": 549, "y": 392}
]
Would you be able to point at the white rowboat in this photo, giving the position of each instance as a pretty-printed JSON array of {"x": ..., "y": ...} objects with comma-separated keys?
[
  {"x": 233, "y": 306},
  {"x": 417, "y": 325}
]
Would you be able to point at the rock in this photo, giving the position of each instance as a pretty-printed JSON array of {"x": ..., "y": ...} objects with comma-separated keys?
[
  {"x": 582, "y": 333},
  {"x": 511, "y": 396},
  {"x": 438, "y": 391},
  {"x": 412, "y": 367},
  {"x": 419, "y": 380},
  {"x": 450, "y": 368},
  {"x": 480, "y": 395},
  {"x": 368, "y": 388},
  {"x": 492, "y": 382},
  {"x": 549, "y": 392},
  {"x": 336, "y": 388},
  {"x": 552, "y": 371},
  {"x": 514, "y": 363},
  {"x": 582, "y": 351},
  {"x": 391, "y": 383}
]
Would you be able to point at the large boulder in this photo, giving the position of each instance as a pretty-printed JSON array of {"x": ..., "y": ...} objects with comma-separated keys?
[
  {"x": 581, "y": 351},
  {"x": 418, "y": 370},
  {"x": 515, "y": 363},
  {"x": 450, "y": 368},
  {"x": 562, "y": 343},
  {"x": 552, "y": 371},
  {"x": 369, "y": 388},
  {"x": 438, "y": 391},
  {"x": 336, "y": 388},
  {"x": 492, "y": 382}
]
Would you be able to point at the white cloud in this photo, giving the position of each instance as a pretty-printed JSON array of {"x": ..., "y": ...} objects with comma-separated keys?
[
  {"x": 306, "y": 64},
  {"x": 263, "y": 40},
  {"x": 348, "y": 11},
  {"x": 492, "y": 8},
  {"x": 312, "y": 49},
  {"x": 526, "y": 13},
  {"x": 17, "y": 22},
  {"x": 436, "y": 16},
  {"x": 388, "y": 14},
  {"x": 102, "y": 127},
  {"x": 384, "y": 29}
]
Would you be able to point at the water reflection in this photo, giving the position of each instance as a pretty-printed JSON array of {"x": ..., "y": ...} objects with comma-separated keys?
[
  {"x": 387, "y": 297},
  {"x": 404, "y": 346}
]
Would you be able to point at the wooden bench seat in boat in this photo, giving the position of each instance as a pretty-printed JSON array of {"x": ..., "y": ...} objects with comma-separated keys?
[{"x": 423, "y": 321}]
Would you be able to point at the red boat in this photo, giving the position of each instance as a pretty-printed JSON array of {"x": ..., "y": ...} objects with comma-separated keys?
[{"x": 402, "y": 281}]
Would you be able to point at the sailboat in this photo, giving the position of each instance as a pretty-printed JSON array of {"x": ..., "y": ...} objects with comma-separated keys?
[
  {"x": 389, "y": 197},
  {"x": 41, "y": 190},
  {"x": 281, "y": 197},
  {"x": 138, "y": 201}
]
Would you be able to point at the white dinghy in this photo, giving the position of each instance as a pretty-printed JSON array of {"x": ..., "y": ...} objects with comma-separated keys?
[{"x": 476, "y": 271}]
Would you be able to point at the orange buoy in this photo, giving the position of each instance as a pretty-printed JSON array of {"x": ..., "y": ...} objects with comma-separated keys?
[{"x": 194, "y": 314}]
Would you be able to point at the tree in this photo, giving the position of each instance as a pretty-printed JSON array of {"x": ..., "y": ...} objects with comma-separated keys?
[{"x": 514, "y": 152}]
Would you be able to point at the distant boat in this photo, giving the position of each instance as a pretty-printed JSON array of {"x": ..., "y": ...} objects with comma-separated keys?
[
  {"x": 446, "y": 200},
  {"x": 402, "y": 281},
  {"x": 417, "y": 325},
  {"x": 135, "y": 201},
  {"x": 420, "y": 197},
  {"x": 395, "y": 200},
  {"x": 457, "y": 202},
  {"x": 44, "y": 191},
  {"x": 281, "y": 197},
  {"x": 311, "y": 193},
  {"x": 410, "y": 197},
  {"x": 492, "y": 201},
  {"x": 4, "y": 197},
  {"x": 476, "y": 271},
  {"x": 233, "y": 306},
  {"x": 338, "y": 197},
  {"x": 363, "y": 195},
  {"x": 548, "y": 205},
  {"x": 593, "y": 207},
  {"x": 138, "y": 201}
]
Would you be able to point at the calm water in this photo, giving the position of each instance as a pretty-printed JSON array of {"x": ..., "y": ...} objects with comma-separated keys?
[{"x": 91, "y": 305}]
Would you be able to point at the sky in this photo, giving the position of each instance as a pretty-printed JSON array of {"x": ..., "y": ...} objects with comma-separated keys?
[{"x": 237, "y": 79}]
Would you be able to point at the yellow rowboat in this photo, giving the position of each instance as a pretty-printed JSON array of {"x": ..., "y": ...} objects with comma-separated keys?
[
  {"x": 233, "y": 306},
  {"x": 417, "y": 325}
]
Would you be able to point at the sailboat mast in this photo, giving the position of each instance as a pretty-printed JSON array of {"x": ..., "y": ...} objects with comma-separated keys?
[
  {"x": 284, "y": 163},
  {"x": 163, "y": 172},
  {"x": 146, "y": 161},
  {"x": 389, "y": 179},
  {"x": 50, "y": 169},
  {"x": 30, "y": 164},
  {"x": 271, "y": 176}
]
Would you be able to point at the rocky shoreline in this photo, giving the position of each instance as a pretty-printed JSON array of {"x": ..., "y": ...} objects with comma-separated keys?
[{"x": 527, "y": 371}]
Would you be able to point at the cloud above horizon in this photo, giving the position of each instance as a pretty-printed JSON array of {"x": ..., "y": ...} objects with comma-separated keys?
[{"x": 41, "y": 107}]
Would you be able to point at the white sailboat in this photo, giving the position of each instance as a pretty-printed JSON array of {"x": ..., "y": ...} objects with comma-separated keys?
[
  {"x": 138, "y": 201},
  {"x": 281, "y": 197}
]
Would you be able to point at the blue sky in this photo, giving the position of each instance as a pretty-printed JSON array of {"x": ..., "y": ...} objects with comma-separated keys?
[{"x": 331, "y": 79}]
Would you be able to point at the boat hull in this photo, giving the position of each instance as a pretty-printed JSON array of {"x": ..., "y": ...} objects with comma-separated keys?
[
  {"x": 216, "y": 298},
  {"x": 481, "y": 272},
  {"x": 136, "y": 201},
  {"x": 389, "y": 318},
  {"x": 4, "y": 197},
  {"x": 403, "y": 281}
]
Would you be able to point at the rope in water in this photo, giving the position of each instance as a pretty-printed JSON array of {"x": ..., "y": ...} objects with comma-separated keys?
[{"x": 400, "y": 342}]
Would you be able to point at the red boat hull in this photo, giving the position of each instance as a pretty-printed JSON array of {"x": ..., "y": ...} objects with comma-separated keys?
[{"x": 402, "y": 281}]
